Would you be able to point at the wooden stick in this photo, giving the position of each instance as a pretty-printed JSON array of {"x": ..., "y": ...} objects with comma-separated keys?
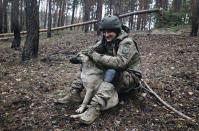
[{"x": 164, "y": 103}]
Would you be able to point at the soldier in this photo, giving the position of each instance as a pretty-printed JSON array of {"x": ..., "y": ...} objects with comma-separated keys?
[{"x": 118, "y": 56}]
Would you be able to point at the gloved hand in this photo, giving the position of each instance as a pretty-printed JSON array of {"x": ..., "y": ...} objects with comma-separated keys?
[{"x": 74, "y": 60}]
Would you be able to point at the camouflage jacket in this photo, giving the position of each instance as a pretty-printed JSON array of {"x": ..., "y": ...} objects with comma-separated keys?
[{"x": 121, "y": 54}]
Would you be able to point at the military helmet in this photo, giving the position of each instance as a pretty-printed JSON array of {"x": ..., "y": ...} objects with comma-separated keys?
[{"x": 110, "y": 22}]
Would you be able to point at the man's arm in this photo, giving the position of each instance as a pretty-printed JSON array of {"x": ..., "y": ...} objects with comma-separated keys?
[
  {"x": 98, "y": 47},
  {"x": 126, "y": 52}
]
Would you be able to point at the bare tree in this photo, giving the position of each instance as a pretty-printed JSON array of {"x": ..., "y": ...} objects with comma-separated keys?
[
  {"x": 111, "y": 6},
  {"x": 86, "y": 13},
  {"x": 15, "y": 24},
  {"x": 176, "y": 5},
  {"x": 195, "y": 17},
  {"x": 5, "y": 18},
  {"x": 144, "y": 16},
  {"x": 73, "y": 12},
  {"x": 55, "y": 14},
  {"x": 63, "y": 13},
  {"x": 139, "y": 16},
  {"x": 49, "y": 19},
  {"x": 99, "y": 14},
  {"x": 30, "y": 49},
  {"x": 132, "y": 8},
  {"x": 1, "y": 17},
  {"x": 46, "y": 14},
  {"x": 162, "y": 3},
  {"x": 59, "y": 17},
  {"x": 117, "y": 8},
  {"x": 21, "y": 16}
]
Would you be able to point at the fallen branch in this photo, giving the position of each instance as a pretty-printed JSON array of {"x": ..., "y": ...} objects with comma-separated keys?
[
  {"x": 163, "y": 102},
  {"x": 90, "y": 22}
]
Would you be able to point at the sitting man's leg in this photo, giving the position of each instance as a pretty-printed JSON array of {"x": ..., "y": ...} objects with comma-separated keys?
[
  {"x": 74, "y": 94},
  {"x": 128, "y": 82},
  {"x": 100, "y": 100}
]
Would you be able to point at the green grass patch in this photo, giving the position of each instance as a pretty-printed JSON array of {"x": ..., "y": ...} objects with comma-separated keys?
[
  {"x": 176, "y": 28},
  {"x": 68, "y": 42}
]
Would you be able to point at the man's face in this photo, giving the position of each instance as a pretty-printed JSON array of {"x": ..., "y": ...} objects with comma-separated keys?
[{"x": 109, "y": 35}]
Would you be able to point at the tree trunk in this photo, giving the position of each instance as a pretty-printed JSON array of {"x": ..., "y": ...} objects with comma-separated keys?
[
  {"x": 12, "y": 14},
  {"x": 139, "y": 18},
  {"x": 73, "y": 12},
  {"x": 46, "y": 14},
  {"x": 49, "y": 19},
  {"x": 176, "y": 5},
  {"x": 30, "y": 49},
  {"x": 15, "y": 24},
  {"x": 195, "y": 17},
  {"x": 111, "y": 5},
  {"x": 21, "y": 25},
  {"x": 132, "y": 7},
  {"x": 87, "y": 14},
  {"x": 99, "y": 14},
  {"x": 63, "y": 13},
  {"x": 5, "y": 18},
  {"x": 59, "y": 17},
  {"x": 1, "y": 17},
  {"x": 117, "y": 8},
  {"x": 144, "y": 16},
  {"x": 162, "y": 4},
  {"x": 55, "y": 15}
]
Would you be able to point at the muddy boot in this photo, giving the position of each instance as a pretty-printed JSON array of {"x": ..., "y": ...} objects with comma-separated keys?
[
  {"x": 90, "y": 115},
  {"x": 73, "y": 96}
]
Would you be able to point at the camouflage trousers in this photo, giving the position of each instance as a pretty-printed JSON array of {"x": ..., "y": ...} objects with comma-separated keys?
[{"x": 106, "y": 90}]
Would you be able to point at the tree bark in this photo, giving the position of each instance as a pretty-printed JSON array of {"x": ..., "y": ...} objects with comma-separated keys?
[
  {"x": 63, "y": 13},
  {"x": 132, "y": 7},
  {"x": 117, "y": 8},
  {"x": 5, "y": 18},
  {"x": 12, "y": 14},
  {"x": 98, "y": 14},
  {"x": 46, "y": 14},
  {"x": 144, "y": 16},
  {"x": 176, "y": 5},
  {"x": 55, "y": 15},
  {"x": 30, "y": 49},
  {"x": 49, "y": 20},
  {"x": 73, "y": 12},
  {"x": 139, "y": 16},
  {"x": 1, "y": 17},
  {"x": 111, "y": 5},
  {"x": 59, "y": 17},
  {"x": 162, "y": 4},
  {"x": 87, "y": 14},
  {"x": 195, "y": 18},
  {"x": 15, "y": 24},
  {"x": 21, "y": 25}
]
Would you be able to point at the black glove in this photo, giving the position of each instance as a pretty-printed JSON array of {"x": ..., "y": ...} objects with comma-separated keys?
[{"x": 74, "y": 60}]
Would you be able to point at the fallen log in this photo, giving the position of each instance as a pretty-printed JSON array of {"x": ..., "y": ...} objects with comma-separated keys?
[
  {"x": 144, "y": 84},
  {"x": 89, "y": 22}
]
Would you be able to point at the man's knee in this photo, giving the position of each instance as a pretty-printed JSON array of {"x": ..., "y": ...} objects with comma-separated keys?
[{"x": 110, "y": 75}]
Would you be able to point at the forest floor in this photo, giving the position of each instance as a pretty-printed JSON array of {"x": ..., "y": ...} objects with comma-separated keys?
[{"x": 170, "y": 65}]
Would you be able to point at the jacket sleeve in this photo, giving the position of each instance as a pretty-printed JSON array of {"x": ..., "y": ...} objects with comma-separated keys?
[{"x": 126, "y": 51}]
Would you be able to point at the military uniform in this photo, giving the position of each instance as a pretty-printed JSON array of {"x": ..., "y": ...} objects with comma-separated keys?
[{"x": 121, "y": 55}]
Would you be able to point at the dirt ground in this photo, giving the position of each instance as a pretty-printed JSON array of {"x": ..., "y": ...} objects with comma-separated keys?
[{"x": 170, "y": 65}]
